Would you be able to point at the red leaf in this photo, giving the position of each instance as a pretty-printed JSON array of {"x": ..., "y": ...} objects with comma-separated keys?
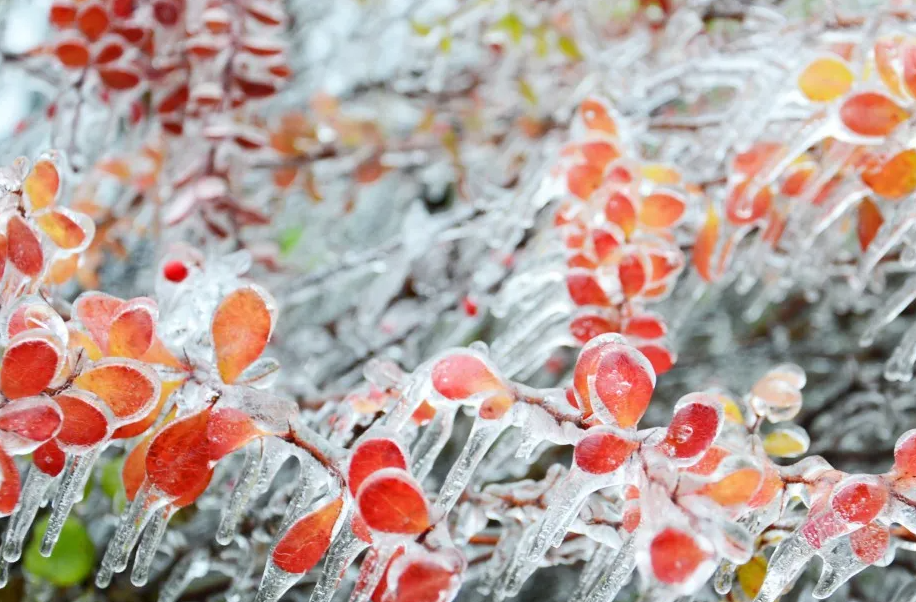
[{"x": 303, "y": 545}]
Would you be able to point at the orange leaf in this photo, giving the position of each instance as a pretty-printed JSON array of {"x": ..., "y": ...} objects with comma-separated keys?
[
  {"x": 303, "y": 545},
  {"x": 735, "y": 488},
  {"x": 870, "y": 221},
  {"x": 24, "y": 247},
  {"x": 241, "y": 327},
  {"x": 871, "y": 114},
  {"x": 62, "y": 228},
  {"x": 675, "y": 555},
  {"x": 230, "y": 429},
  {"x": 30, "y": 363},
  {"x": 85, "y": 423},
  {"x": 179, "y": 456},
  {"x": 9, "y": 486},
  {"x": 132, "y": 331},
  {"x": 72, "y": 54},
  {"x": 136, "y": 428},
  {"x": 597, "y": 117},
  {"x": 371, "y": 456},
  {"x": 391, "y": 502},
  {"x": 93, "y": 21},
  {"x": 96, "y": 311},
  {"x": 894, "y": 179},
  {"x": 129, "y": 388},
  {"x": 119, "y": 78}
]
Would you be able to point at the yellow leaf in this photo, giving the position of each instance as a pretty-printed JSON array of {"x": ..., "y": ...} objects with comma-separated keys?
[
  {"x": 512, "y": 25},
  {"x": 786, "y": 443},
  {"x": 527, "y": 92},
  {"x": 569, "y": 48},
  {"x": 445, "y": 44},
  {"x": 750, "y": 576},
  {"x": 825, "y": 79},
  {"x": 419, "y": 28}
]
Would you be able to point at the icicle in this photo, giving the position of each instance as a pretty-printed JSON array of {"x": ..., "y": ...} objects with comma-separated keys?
[
  {"x": 343, "y": 552},
  {"x": 70, "y": 492},
  {"x": 787, "y": 561},
  {"x": 274, "y": 583},
  {"x": 194, "y": 567},
  {"x": 724, "y": 577},
  {"x": 431, "y": 442},
  {"x": 483, "y": 434},
  {"x": 592, "y": 571},
  {"x": 616, "y": 574},
  {"x": 241, "y": 495},
  {"x": 900, "y": 365},
  {"x": 520, "y": 568},
  {"x": 839, "y": 566},
  {"x": 125, "y": 537},
  {"x": 300, "y": 499},
  {"x": 893, "y": 307},
  {"x": 563, "y": 507},
  {"x": 149, "y": 544},
  {"x": 4, "y": 572},
  {"x": 34, "y": 490},
  {"x": 888, "y": 235},
  {"x": 499, "y": 562},
  {"x": 371, "y": 573}
]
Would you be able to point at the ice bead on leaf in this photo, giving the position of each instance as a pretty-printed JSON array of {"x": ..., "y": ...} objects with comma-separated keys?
[
  {"x": 695, "y": 425},
  {"x": 242, "y": 325},
  {"x": 303, "y": 545},
  {"x": 613, "y": 380},
  {"x": 391, "y": 502}
]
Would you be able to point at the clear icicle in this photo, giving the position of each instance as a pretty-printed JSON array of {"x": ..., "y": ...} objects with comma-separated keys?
[
  {"x": 34, "y": 490},
  {"x": 431, "y": 442},
  {"x": 839, "y": 566},
  {"x": 900, "y": 365},
  {"x": 787, "y": 561},
  {"x": 616, "y": 574},
  {"x": 483, "y": 434},
  {"x": 724, "y": 577},
  {"x": 343, "y": 551},
  {"x": 274, "y": 583},
  {"x": 149, "y": 544},
  {"x": 193, "y": 567},
  {"x": 125, "y": 537},
  {"x": 300, "y": 499},
  {"x": 241, "y": 495},
  {"x": 562, "y": 509},
  {"x": 592, "y": 571},
  {"x": 4, "y": 572},
  {"x": 520, "y": 568},
  {"x": 70, "y": 492},
  {"x": 371, "y": 573},
  {"x": 893, "y": 307},
  {"x": 499, "y": 562}
]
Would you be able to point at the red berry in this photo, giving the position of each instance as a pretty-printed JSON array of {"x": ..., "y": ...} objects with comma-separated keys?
[{"x": 175, "y": 271}]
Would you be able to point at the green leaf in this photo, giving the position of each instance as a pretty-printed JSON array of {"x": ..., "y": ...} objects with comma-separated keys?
[
  {"x": 569, "y": 48},
  {"x": 72, "y": 559},
  {"x": 111, "y": 477},
  {"x": 289, "y": 238},
  {"x": 512, "y": 25}
]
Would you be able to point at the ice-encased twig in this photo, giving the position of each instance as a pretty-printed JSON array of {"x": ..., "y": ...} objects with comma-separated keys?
[
  {"x": 241, "y": 495},
  {"x": 483, "y": 434},
  {"x": 70, "y": 491},
  {"x": 343, "y": 551},
  {"x": 34, "y": 490},
  {"x": 133, "y": 520},
  {"x": 892, "y": 307},
  {"x": 616, "y": 574},
  {"x": 149, "y": 544},
  {"x": 431, "y": 442},
  {"x": 371, "y": 572},
  {"x": 787, "y": 561},
  {"x": 592, "y": 571}
]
